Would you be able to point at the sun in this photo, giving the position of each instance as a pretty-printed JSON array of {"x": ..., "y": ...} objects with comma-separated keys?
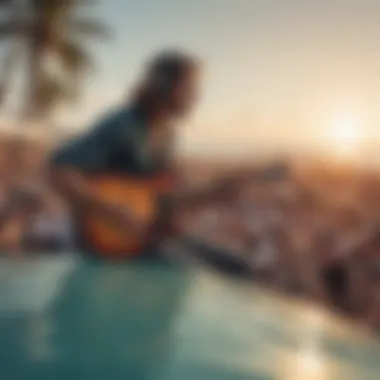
[
  {"x": 345, "y": 129},
  {"x": 344, "y": 133}
]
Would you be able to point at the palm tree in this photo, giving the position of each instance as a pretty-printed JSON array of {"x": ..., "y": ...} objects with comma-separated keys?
[
  {"x": 8, "y": 31},
  {"x": 51, "y": 34}
]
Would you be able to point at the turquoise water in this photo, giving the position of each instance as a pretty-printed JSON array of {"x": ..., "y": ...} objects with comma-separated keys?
[{"x": 62, "y": 318}]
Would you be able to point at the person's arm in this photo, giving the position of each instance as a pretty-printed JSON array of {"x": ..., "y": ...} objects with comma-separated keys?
[
  {"x": 75, "y": 189},
  {"x": 67, "y": 170}
]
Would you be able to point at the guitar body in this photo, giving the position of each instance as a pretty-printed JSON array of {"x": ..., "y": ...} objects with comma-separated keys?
[{"x": 140, "y": 196}]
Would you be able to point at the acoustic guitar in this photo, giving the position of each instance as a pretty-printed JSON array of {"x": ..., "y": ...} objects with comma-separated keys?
[{"x": 145, "y": 198}]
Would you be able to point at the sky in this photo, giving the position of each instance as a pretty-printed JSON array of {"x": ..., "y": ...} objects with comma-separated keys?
[{"x": 279, "y": 75}]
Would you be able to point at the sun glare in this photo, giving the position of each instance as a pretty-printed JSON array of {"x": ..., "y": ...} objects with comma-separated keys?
[{"x": 344, "y": 133}]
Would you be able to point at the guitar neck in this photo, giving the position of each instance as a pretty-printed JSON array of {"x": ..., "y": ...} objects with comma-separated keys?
[{"x": 225, "y": 186}]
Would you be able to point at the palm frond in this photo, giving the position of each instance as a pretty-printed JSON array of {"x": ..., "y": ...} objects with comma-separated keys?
[
  {"x": 46, "y": 5},
  {"x": 53, "y": 12},
  {"x": 55, "y": 3},
  {"x": 88, "y": 28},
  {"x": 73, "y": 57},
  {"x": 50, "y": 92}
]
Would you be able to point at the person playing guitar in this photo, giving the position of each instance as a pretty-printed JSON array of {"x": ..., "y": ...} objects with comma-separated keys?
[{"x": 107, "y": 174}]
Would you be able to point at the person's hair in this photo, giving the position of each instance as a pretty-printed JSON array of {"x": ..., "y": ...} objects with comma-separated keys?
[{"x": 162, "y": 72}]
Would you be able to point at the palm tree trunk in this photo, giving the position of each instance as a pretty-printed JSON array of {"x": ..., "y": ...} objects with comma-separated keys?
[
  {"x": 34, "y": 71},
  {"x": 8, "y": 67},
  {"x": 34, "y": 81},
  {"x": 12, "y": 54}
]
